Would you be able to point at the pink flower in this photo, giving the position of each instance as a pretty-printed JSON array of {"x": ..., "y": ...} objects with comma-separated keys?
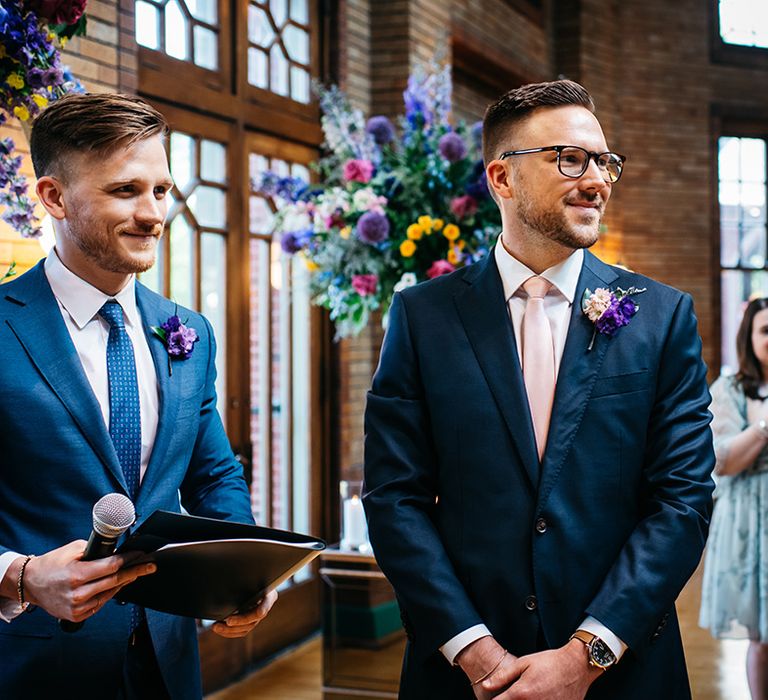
[
  {"x": 58, "y": 11},
  {"x": 365, "y": 284},
  {"x": 463, "y": 206},
  {"x": 358, "y": 170},
  {"x": 440, "y": 267}
]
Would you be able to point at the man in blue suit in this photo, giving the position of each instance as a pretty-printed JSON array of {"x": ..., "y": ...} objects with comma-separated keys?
[
  {"x": 538, "y": 452},
  {"x": 93, "y": 402}
]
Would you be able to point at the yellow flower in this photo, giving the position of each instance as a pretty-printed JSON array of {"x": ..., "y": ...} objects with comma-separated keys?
[
  {"x": 415, "y": 232},
  {"x": 40, "y": 101},
  {"x": 15, "y": 81},
  {"x": 453, "y": 256},
  {"x": 21, "y": 113},
  {"x": 345, "y": 232},
  {"x": 407, "y": 248},
  {"x": 460, "y": 244},
  {"x": 311, "y": 265},
  {"x": 451, "y": 232},
  {"x": 63, "y": 41},
  {"x": 425, "y": 222},
  {"x": 437, "y": 224}
]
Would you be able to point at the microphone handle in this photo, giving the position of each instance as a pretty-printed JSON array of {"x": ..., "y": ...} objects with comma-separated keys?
[{"x": 98, "y": 547}]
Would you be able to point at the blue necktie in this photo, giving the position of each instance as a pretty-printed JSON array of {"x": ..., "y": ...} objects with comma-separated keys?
[{"x": 124, "y": 408}]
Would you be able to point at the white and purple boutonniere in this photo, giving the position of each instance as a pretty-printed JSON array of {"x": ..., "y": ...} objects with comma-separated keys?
[
  {"x": 609, "y": 310},
  {"x": 179, "y": 339}
]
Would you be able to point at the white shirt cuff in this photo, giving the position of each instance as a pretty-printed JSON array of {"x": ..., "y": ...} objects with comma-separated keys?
[
  {"x": 454, "y": 646},
  {"x": 612, "y": 641},
  {"x": 9, "y": 608}
]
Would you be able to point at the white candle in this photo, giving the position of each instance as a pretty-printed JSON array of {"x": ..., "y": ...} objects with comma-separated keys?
[{"x": 355, "y": 528}]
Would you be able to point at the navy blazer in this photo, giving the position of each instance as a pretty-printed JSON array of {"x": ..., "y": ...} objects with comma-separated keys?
[
  {"x": 471, "y": 528},
  {"x": 57, "y": 460}
]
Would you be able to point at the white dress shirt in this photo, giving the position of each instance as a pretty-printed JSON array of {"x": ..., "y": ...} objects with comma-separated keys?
[
  {"x": 79, "y": 303},
  {"x": 557, "y": 305}
]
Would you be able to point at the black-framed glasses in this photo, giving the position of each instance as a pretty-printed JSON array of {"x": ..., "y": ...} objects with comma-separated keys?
[{"x": 573, "y": 161}]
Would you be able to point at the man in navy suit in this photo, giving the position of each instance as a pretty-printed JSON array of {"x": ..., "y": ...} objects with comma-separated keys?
[
  {"x": 538, "y": 451},
  {"x": 93, "y": 402}
]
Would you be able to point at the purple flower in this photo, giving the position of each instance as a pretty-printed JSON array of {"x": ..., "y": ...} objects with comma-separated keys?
[
  {"x": 452, "y": 147},
  {"x": 616, "y": 315},
  {"x": 291, "y": 242},
  {"x": 372, "y": 227},
  {"x": 381, "y": 129},
  {"x": 179, "y": 339}
]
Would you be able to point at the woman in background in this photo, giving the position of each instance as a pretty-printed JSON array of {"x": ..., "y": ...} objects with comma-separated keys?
[{"x": 734, "y": 601}]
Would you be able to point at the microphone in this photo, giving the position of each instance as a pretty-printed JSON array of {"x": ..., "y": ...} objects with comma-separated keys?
[{"x": 113, "y": 514}]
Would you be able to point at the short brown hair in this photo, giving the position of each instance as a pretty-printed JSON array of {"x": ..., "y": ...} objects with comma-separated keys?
[
  {"x": 90, "y": 123},
  {"x": 511, "y": 108}
]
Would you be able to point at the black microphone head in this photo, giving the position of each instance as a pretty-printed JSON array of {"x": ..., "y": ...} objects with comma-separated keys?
[{"x": 113, "y": 514}]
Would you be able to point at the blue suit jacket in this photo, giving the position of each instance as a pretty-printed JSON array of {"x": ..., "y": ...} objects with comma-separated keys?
[
  {"x": 57, "y": 460},
  {"x": 455, "y": 489}
]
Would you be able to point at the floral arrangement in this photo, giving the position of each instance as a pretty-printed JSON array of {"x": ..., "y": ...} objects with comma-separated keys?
[
  {"x": 31, "y": 76},
  {"x": 609, "y": 310},
  {"x": 394, "y": 207}
]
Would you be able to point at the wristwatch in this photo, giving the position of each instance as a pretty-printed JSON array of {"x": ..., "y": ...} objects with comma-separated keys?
[{"x": 599, "y": 654}]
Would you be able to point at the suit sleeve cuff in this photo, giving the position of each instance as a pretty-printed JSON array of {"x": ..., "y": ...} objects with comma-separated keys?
[
  {"x": 596, "y": 627},
  {"x": 9, "y": 608},
  {"x": 454, "y": 646}
]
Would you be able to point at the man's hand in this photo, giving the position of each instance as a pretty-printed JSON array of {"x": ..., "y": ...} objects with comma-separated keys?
[
  {"x": 240, "y": 624},
  {"x": 558, "y": 674},
  {"x": 68, "y": 588},
  {"x": 479, "y": 658}
]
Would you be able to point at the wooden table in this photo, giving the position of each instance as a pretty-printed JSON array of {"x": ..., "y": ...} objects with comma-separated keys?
[{"x": 363, "y": 639}]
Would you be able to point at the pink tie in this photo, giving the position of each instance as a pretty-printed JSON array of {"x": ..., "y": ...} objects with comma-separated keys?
[{"x": 538, "y": 359}]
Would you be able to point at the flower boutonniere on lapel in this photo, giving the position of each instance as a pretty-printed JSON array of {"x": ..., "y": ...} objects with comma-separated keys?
[
  {"x": 179, "y": 340},
  {"x": 609, "y": 310}
]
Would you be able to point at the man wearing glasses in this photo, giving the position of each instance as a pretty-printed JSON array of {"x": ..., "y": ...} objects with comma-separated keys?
[{"x": 538, "y": 452}]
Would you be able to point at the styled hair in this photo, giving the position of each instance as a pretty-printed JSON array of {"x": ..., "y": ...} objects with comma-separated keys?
[
  {"x": 514, "y": 106},
  {"x": 90, "y": 123},
  {"x": 750, "y": 374}
]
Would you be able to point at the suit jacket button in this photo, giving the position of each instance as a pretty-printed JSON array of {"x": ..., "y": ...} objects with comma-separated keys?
[
  {"x": 541, "y": 526},
  {"x": 531, "y": 603}
]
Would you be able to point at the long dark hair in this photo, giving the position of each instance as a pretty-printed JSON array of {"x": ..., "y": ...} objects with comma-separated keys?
[{"x": 750, "y": 374}]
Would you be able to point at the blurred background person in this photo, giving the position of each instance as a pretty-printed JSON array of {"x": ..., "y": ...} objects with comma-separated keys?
[{"x": 734, "y": 601}]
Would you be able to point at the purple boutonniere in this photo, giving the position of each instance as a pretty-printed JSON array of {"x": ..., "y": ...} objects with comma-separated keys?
[
  {"x": 179, "y": 339},
  {"x": 609, "y": 310}
]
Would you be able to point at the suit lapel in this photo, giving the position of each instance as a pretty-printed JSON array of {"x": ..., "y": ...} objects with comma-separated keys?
[
  {"x": 579, "y": 368},
  {"x": 483, "y": 312},
  {"x": 40, "y": 328},
  {"x": 154, "y": 312}
]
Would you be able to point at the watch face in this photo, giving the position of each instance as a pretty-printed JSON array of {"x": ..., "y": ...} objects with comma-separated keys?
[{"x": 600, "y": 654}]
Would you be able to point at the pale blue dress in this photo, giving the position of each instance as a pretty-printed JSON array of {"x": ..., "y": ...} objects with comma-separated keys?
[{"x": 734, "y": 596}]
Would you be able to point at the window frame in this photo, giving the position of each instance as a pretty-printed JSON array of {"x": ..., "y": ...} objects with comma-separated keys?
[{"x": 723, "y": 53}]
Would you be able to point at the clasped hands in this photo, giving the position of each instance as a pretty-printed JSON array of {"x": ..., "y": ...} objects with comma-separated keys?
[
  {"x": 557, "y": 674},
  {"x": 71, "y": 589}
]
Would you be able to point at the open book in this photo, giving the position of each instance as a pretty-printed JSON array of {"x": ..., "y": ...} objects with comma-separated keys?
[{"x": 210, "y": 568}]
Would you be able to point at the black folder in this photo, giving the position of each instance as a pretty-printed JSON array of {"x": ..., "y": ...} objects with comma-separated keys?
[{"x": 210, "y": 568}]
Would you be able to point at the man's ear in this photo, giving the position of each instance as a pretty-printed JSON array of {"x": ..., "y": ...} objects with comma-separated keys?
[
  {"x": 51, "y": 195},
  {"x": 499, "y": 179}
]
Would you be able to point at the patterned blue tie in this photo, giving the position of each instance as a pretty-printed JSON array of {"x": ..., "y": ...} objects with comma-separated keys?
[{"x": 124, "y": 408}]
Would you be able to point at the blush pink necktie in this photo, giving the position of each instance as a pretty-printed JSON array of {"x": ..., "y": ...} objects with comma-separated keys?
[{"x": 538, "y": 359}]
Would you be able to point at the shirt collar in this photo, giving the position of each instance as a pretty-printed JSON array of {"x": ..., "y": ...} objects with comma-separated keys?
[
  {"x": 82, "y": 300},
  {"x": 564, "y": 276}
]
